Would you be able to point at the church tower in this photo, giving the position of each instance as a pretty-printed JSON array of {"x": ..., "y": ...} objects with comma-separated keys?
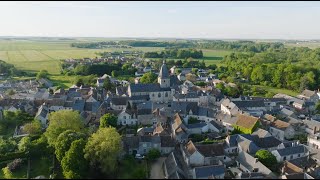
[{"x": 164, "y": 78}]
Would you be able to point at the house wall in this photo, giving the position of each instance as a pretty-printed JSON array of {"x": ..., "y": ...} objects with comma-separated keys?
[
  {"x": 144, "y": 147},
  {"x": 117, "y": 107},
  {"x": 289, "y": 157},
  {"x": 231, "y": 150},
  {"x": 312, "y": 142},
  {"x": 126, "y": 119},
  {"x": 165, "y": 96}
]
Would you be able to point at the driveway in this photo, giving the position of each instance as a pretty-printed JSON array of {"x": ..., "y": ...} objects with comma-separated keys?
[{"x": 156, "y": 169}]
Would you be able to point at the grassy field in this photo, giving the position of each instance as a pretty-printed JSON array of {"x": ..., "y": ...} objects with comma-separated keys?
[
  {"x": 38, "y": 55},
  {"x": 278, "y": 90},
  {"x": 214, "y": 56}
]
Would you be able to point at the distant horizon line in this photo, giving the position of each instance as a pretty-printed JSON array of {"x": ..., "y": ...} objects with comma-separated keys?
[{"x": 300, "y": 39}]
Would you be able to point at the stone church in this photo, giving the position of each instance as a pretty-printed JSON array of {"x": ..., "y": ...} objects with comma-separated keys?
[{"x": 161, "y": 92}]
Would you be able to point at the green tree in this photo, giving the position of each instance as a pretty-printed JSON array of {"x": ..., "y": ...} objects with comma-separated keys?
[
  {"x": 108, "y": 85},
  {"x": 61, "y": 121},
  {"x": 78, "y": 81},
  {"x": 73, "y": 164},
  {"x": 153, "y": 154},
  {"x": 64, "y": 141},
  {"x": 266, "y": 158},
  {"x": 103, "y": 148},
  {"x": 108, "y": 120},
  {"x": 32, "y": 128},
  {"x": 24, "y": 144},
  {"x": 148, "y": 77},
  {"x": 42, "y": 74},
  {"x": 7, "y": 174},
  {"x": 7, "y": 145}
]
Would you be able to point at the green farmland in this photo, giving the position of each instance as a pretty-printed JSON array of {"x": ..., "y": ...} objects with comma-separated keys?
[{"x": 35, "y": 55}]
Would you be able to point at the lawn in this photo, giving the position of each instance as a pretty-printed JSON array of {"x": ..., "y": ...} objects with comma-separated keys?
[
  {"x": 278, "y": 90},
  {"x": 63, "y": 81}
]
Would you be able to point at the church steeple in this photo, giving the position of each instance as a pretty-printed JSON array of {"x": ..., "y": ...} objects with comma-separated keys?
[{"x": 164, "y": 78}]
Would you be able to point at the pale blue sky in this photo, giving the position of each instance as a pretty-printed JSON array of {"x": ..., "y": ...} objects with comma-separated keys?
[{"x": 256, "y": 20}]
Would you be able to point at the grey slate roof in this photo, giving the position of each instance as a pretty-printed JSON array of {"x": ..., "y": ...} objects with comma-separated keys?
[
  {"x": 78, "y": 105},
  {"x": 244, "y": 104},
  {"x": 167, "y": 141},
  {"x": 119, "y": 100},
  {"x": 196, "y": 125},
  {"x": 131, "y": 142},
  {"x": 164, "y": 73},
  {"x": 172, "y": 166},
  {"x": 208, "y": 112},
  {"x": 184, "y": 107},
  {"x": 151, "y": 139},
  {"x": 209, "y": 171},
  {"x": 144, "y": 111},
  {"x": 216, "y": 125},
  {"x": 266, "y": 142},
  {"x": 291, "y": 150},
  {"x": 140, "y": 97},
  {"x": 145, "y": 87}
]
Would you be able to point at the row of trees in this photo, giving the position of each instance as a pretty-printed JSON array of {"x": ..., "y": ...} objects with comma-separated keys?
[
  {"x": 93, "y": 45},
  {"x": 175, "y": 53},
  {"x": 242, "y": 46}
]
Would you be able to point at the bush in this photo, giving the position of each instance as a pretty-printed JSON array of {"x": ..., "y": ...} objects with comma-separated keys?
[
  {"x": 266, "y": 158},
  {"x": 15, "y": 164},
  {"x": 7, "y": 174},
  {"x": 153, "y": 154}
]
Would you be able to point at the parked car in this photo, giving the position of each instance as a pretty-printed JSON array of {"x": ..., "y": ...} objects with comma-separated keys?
[{"x": 138, "y": 156}]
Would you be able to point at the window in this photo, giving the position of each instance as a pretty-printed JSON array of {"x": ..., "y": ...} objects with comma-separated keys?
[
  {"x": 284, "y": 158},
  {"x": 291, "y": 156},
  {"x": 298, "y": 155},
  {"x": 124, "y": 117},
  {"x": 152, "y": 94},
  {"x": 166, "y": 94},
  {"x": 159, "y": 95}
]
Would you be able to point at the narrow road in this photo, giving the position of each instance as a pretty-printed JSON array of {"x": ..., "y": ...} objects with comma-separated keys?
[{"x": 156, "y": 169}]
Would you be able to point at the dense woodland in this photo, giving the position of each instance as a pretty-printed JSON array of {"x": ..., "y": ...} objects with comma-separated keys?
[{"x": 290, "y": 68}]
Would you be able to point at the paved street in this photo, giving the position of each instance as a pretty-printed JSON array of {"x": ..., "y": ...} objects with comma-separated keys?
[{"x": 156, "y": 169}]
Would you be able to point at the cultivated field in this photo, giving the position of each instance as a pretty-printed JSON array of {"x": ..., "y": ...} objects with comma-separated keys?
[{"x": 35, "y": 55}]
